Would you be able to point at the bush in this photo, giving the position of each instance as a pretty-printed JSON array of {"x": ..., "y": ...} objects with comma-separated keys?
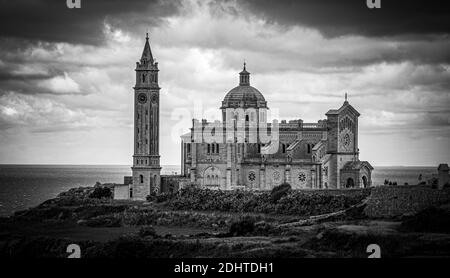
[
  {"x": 280, "y": 191},
  {"x": 103, "y": 221},
  {"x": 432, "y": 219},
  {"x": 163, "y": 197},
  {"x": 242, "y": 227},
  {"x": 101, "y": 192},
  {"x": 300, "y": 203},
  {"x": 146, "y": 231}
]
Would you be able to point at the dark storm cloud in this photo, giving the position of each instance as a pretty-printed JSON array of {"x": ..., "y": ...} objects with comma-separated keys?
[
  {"x": 336, "y": 18},
  {"x": 51, "y": 20}
]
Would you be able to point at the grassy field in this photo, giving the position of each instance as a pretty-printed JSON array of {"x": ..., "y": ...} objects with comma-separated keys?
[{"x": 107, "y": 228}]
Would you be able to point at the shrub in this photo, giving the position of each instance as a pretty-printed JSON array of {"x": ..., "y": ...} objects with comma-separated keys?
[
  {"x": 101, "y": 192},
  {"x": 300, "y": 203},
  {"x": 146, "y": 231},
  {"x": 279, "y": 191},
  {"x": 103, "y": 221},
  {"x": 163, "y": 197},
  {"x": 242, "y": 227},
  {"x": 431, "y": 219}
]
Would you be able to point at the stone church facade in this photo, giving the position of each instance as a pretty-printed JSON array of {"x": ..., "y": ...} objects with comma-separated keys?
[
  {"x": 317, "y": 155},
  {"x": 243, "y": 151}
]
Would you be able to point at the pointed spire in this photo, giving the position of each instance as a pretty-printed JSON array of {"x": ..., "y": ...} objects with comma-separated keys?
[
  {"x": 345, "y": 102},
  {"x": 147, "y": 53}
]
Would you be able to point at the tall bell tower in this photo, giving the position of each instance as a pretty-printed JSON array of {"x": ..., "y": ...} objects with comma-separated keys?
[{"x": 146, "y": 168}]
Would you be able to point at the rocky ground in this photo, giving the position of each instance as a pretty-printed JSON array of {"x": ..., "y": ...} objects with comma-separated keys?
[{"x": 107, "y": 228}]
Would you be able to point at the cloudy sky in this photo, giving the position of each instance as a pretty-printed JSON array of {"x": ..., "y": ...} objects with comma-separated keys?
[{"x": 66, "y": 75}]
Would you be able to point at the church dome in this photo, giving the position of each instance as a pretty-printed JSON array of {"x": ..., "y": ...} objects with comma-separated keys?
[{"x": 244, "y": 95}]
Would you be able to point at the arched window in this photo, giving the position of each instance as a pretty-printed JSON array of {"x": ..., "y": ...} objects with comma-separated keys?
[
  {"x": 141, "y": 177},
  {"x": 283, "y": 148},
  {"x": 213, "y": 148},
  {"x": 131, "y": 192},
  {"x": 143, "y": 78},
  {"x": 211, "y": 176},
  {"x": 217, "y": 148},
  {"x": 208, "y": 148},
  {"x": 246, "y": 118},
  {"x": 364, "y": 181},
  {"x": 259, "y": 148}
]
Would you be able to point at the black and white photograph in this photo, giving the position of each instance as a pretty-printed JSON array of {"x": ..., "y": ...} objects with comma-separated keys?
[{"x": 257, "y": 131}]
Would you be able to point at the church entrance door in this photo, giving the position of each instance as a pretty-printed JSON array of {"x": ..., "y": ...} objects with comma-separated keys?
[{"x": 350, "y": 183}]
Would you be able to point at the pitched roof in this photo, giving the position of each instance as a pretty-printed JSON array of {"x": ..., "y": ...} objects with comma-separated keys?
[
  {"x": 344, "y": 106},
  {"x": 357, "y": 165}
]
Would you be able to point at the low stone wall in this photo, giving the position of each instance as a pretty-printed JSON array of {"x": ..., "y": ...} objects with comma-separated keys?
[
  {"x": 172, "y": 183},
  {"x": 391, "y": 201},
  {"x": 121, "y": 192}
]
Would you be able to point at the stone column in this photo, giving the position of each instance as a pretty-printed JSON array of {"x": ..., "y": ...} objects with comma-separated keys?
[
  {"x": 228, "y": 182},
  {"x": 193, "y": 161},
  {"x": 228, "y": 179},
  {"x": 287, "y": 173},
  {"x": 262, "y": 178}
]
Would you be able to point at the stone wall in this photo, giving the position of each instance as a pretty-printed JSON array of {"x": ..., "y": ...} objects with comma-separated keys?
[
  {"x": 121, "y": 192},
  {"x": 391, "y": 201},
  {"x": 172, "y": 183}
]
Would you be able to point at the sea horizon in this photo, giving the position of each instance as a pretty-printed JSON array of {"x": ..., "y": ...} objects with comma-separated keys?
[
  {"x": 178, "y": 165},
  {"x": 26, "y": 185}
]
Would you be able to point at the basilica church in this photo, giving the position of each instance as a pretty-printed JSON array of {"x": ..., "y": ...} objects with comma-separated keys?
[
  {"x": 317, "y": 155},
  {"x": 243, "y": 150}
]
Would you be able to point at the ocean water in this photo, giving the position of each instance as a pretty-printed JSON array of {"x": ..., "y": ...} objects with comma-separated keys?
[{"x": 24, "y": 186}]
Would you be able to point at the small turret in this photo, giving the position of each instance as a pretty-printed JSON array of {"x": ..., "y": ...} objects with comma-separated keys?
[{"x": 244, "y": 77}]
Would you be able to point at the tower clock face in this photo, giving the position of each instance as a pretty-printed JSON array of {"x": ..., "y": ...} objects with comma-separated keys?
[{"x": 142, "y": 98}]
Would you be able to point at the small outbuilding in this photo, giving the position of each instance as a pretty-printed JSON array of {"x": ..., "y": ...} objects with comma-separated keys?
[{"x": 443, "y": 176}]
